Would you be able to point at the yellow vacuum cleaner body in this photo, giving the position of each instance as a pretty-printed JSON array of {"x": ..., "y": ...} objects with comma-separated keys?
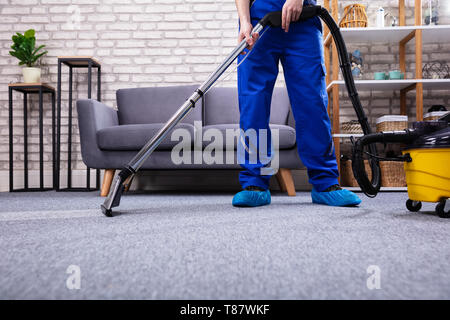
[
  {"x": 428, "y": 168},
  {"x": 428, "y": 174},
  {"x": 428, "y": 171}
]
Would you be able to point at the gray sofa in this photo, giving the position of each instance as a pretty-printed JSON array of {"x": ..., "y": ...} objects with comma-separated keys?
[{"x": 110, "y": 139}]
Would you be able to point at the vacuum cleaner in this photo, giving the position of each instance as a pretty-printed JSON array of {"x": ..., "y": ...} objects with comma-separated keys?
[
  {"x": 426, "y": 154},
  {"x": 364, "y": 146}
]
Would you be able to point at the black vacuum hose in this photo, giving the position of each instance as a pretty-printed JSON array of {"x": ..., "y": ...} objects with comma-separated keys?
[
  {"x": 358, "y": 166},
  {"x": 369, "y": 187}
]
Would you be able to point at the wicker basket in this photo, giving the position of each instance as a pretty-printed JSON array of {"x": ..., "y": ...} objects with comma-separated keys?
[
  {"x": 392, "y": 123},
  {"x": 354, "y": 17},
  {"x": 351, "y": 127},
  {"x": 347, "y": 178},
  {"x": 392, "y": 174},
  {"x": 430, "y": 116}
]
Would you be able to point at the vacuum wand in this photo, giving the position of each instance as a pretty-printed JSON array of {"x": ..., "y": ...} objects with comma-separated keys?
[
  {"x": 272, "y": 19},
  {"x": 113, "y": 198}
]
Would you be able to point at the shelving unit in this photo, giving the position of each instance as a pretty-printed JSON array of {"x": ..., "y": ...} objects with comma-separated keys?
[
  {"x": 384, "y": 85},
  {"x": 347, "y": 135},
  {"x": 28, "y": 89},
  {"x": 401, "y": 35},
  {"x": 73, "y": 62},
  {"x": 431, "y": 34}
]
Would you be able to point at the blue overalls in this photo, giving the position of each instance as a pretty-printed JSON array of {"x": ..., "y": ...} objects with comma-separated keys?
[{"x": 301, "y": 54}]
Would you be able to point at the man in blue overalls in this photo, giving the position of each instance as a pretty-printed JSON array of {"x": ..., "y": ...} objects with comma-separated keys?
[{"x": 299, "y": 48}]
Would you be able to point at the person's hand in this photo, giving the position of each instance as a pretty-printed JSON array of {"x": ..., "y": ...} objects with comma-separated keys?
[
  {"x": 291, "y": 12},
  {"x": 246, "y": 33}
]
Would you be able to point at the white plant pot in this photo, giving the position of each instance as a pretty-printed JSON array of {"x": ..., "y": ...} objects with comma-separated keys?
[{"x": 31, "y": 75}]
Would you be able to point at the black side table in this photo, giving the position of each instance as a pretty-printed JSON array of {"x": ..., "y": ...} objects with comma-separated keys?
[
  {"x": 75, "y": 62},
  {"x": 31, "y": 88}
]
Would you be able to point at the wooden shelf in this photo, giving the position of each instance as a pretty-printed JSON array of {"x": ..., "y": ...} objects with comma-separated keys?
[
  {"x": 347, "y": 135},
  {"x": 79, "y": 61},
  {"x": 431, "y": 34},
  {"x": 435, "y": 34},
  {"x": 31, "y": 87},
  {"x": 383, "y": 189},
  {"x": 385, "y": 85}
]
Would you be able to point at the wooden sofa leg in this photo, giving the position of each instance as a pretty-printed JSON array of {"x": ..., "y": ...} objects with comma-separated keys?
[
  {"x": 280, "y": 181},
  {"x": 284, "y": 177},
  {"x": 107, "y": 180}
]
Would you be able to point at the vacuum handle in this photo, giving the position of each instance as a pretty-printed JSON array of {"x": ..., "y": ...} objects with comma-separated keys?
[
  {"x": 309, "y": 12},
  {"x": 273, "y": 19}
]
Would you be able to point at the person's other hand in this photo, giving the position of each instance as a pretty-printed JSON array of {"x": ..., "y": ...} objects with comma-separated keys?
[
  {"x": 292, "y": 10},
  {"x": 246, "y": 33}
]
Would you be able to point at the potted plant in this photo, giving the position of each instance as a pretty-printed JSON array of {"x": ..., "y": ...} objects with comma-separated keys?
[{"x": 24, "y": 49}]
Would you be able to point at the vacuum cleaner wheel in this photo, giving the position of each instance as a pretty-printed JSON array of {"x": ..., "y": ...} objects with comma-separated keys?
[
  {"x": 413, "y": 206},
  {"x": 440, "y": 210}
]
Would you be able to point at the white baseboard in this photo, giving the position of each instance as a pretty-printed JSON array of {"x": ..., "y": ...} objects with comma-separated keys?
[{"x": 78, "y": 179}]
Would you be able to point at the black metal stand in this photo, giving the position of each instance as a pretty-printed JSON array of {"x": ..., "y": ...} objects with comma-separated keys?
[
  {"x": 31, "y": 88},
  {"x": 75, "y": 62}
]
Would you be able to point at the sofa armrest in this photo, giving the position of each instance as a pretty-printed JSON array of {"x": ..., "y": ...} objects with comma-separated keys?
[
  {"x": 92, "y": 117},
  {"x": 95, "y": 115}
]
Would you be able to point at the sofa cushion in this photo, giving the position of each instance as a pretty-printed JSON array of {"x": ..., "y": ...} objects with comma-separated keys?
[
  {"x": 286, "y": 135},
  {"x": 222, "y": 106},
  {"x": 155, "y": 105},
  {"x": 135, "y": 136}
]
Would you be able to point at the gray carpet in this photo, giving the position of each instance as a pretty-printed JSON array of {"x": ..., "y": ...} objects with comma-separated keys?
[{"x": 197, "y": 246}]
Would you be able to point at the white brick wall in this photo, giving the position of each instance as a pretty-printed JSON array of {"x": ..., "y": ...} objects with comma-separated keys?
[{"x": 153, "y": 43}]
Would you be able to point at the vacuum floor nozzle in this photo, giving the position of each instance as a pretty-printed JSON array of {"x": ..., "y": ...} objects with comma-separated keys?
[{"x": 113, "y": 199}]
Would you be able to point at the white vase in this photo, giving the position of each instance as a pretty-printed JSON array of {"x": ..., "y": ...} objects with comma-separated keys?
[
  {"x": 31, "y": 75},
  {"x": 380, "y": 18}
]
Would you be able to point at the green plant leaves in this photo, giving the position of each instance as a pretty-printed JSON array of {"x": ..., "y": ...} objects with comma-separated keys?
[
  {"x": 39, "y": 48},
  {"x": 29, "y": 33},
  {"x": 38, "y": 56},
  {"x": 24, "y": 48}
]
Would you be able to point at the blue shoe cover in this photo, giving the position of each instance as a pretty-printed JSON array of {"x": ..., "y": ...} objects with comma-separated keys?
[
  {"x": 247, "y": 198},
  {"x": 337, "y": 198}
]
